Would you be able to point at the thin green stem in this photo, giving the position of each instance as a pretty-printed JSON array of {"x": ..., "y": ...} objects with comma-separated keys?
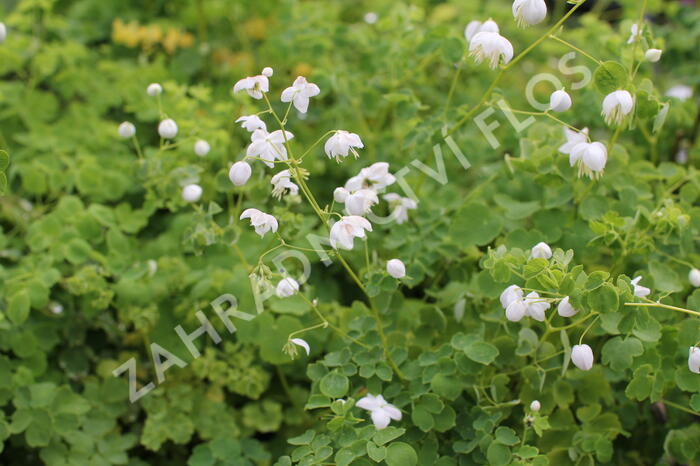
[
  {"x": 651, "y": 303},
  {"x": 572, "y": 46},
  {"x": 681, "y": 407}
]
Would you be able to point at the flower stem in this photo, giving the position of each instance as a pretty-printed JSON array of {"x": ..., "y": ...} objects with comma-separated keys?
[
  {"x": 572, "y": 46},
  {"x": 651, "y": 303}
]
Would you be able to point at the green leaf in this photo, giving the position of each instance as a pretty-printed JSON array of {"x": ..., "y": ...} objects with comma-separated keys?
[
  {"x": 475, "y": 225},
  {"x": 18, "y": 307},
  {"x": 387, "y": 434},
  {"x": 603, "y": 299},
  {"x": 334, "y": 385},
  {"x": 401, "y": 454},
  {"x": 609, "y": 77},
  {"x": 619, "y": 353},
  {"x": 498, "y": 454},
  {"x": 506, "y": 436},
  {"x": 377, "y": 453}
]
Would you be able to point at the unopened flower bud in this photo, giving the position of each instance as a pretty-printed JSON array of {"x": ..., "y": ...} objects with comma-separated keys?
[
  {"x": 396, "y": 268},
  {"x": 191, "y": 192},
  {"x": 154, "y": 89},
  {"x": 201, "y": 148},
  {"x": 127, "y": 130},
  {"x": 559, "y": 101},
  {"x": 582, "y": 357},
  {"x": 535, "y": 406},
  {"x": 694, "y": 277},
  {"x": 167, "y": 129},
  {"x": 239, "y": 173},
  {"x": 653, "y": 55},
  {"x": 267, "y": 71}
]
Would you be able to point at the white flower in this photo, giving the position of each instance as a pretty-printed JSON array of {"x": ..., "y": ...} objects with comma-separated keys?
[
  {"x": 282, "y": 182},
  {"x": 565, "y": 309},
  {"x": 635, "y": 33},
  {"x": 395, "y": 268},
  {"x": 261, "y": 221},
  {"x": 582, "y": 357},
  {"x": 302, "y": 343},
  {"x": 590, "y": 157},
  {"x": 535, "y": 406},
  {"x": 345, "y": 230},
  {"x": 287, "y": 287},
  {"x": 268, "y": 146},
  {"x": 239, "y": 173},
  {"x": 653, "y": 55},
  {"x": 375, "y": 177},
  {"x": 694, "y": 277},
  {"x": 341, "y": 143},
  {"x": 573, "y": 138},
  {"x": 529, "y": 12},
  {"x": 340, "y": 194},
  {"x": 381, "y": 412},
  {"x": 680, "y": 92},
  {"x": 694, "y": 359},
  {"x": 490, "y": 46},
  {"x": 299, "y": 93},
  {"x": 253, "y": 85},
  {"x": 127, "y": 130},
  {"x": 510, "y": 294},
  {"x": 559, "y": 101},
  {"x": 541, "y": 250},
  {"x": 535, "y": 306},
  {"x": 371, "y": 17},
  {"x": 616, "y": 106},
  {"x": 3, "y": 33},
  {"x": 191, "y": 192},
  {"x": 167, "y": 129},
  {"x": 639, "y": 291},
  {"x": 477, "y": 26},
  {"x": 251, "y": 123},
  {"x": 400, "y": 206},
  {"x": 201, "y": 148},
  {"x": 154, "y": 89},
  {"x": 267, "y": 71},
  {"x": 361, "y": 201}
]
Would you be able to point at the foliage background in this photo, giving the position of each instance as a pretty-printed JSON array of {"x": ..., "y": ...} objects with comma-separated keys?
[{"x": 81, "y": 218}]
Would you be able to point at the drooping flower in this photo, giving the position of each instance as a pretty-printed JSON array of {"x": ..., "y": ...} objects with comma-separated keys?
[
  {"x": 261, "y": 221},
  {"x": 529, "y": 12},
  {"x": 345, "y": 230},
  {"x": 694, "y": 277},
  {"x": 694, "y": 359},
  {"x": 535, "y": 306},
  {"x": 565, "y": 309},
  {"x": 3, "y": 33},
  {"x": 302, "y": 344},
  {"x": 127, "y": 130},
  {"x": 635, "y": 33},
  {"x": 281, "y": 182},
  {"x": 535, "y": 406},
  {"x": 299, "y": 93},
  {"x": 375, "y": 177},
  {"x": 154, "y": 89},
  {"x": 287, "y": 287},
  {"x": 573, "y": 138},
  {"x": 400, "y": 206},
  {"x": 251, "y": 123},
  {"x": 396, "y": 268},
  {"x": 680, "y": 92},
  {"x": 559, "y": 101},
  {"x": 255, "y": 86},
  {"x": 239, "y": 173},
  {"x": 591, "y": 158},
  {"x": 541, "y": 250},
  {"x": 616, "y": 106},
  {"x": 167, "y": 129},
  {"x": 341, "y": 143},
  {"x": 639, "y": 291},
  {"x": 361, "y": 201},
  {"x": 268, "y": 146},
  {"x": 381, "y": 412},
  {"x": 653, "y": 55},
  {"x": 490, "y": 46},
  {"x": 475, "y": 27},
  {"x": 510, "y": 294},
  {"x": 191, "y": 192},
  {"x": 582, "y": 357},
  {"x": 201, "y": 147}
]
